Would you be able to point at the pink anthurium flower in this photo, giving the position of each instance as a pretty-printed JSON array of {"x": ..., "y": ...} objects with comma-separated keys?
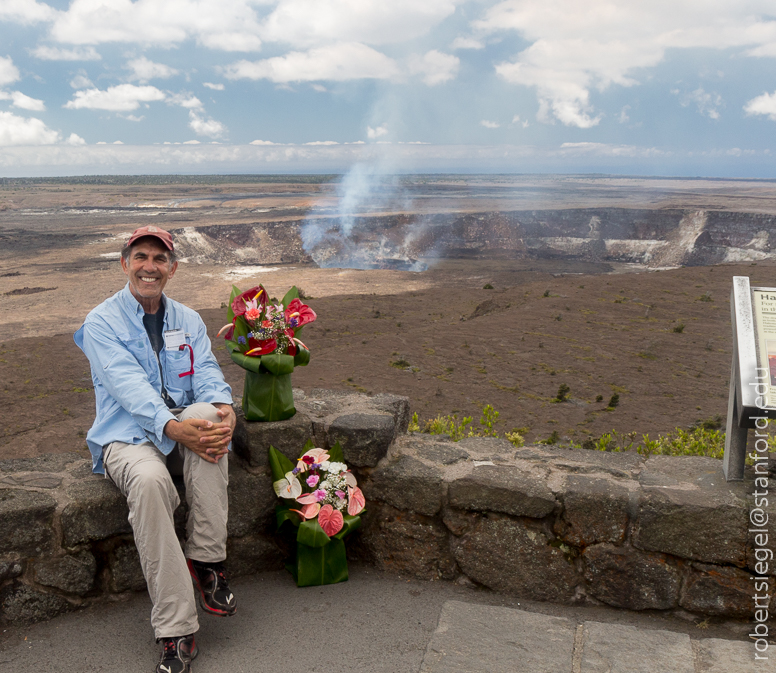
[
  {"x": 331, "y": 520},
  {"x": 350, "y": 479},
  {"x": 318, "y": 455},
  {"x": 356, "y": 501},
  {"x": 289, "y": 487},
  {"x": 261, "y": 347},
  {"x": 309, "y": 511},
  {"x": 307, "y": 498},
  {"x": 298, "y": 314}
]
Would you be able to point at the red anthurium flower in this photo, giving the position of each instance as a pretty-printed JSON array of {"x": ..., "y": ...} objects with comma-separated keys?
[
  {"x": 331, "y": 520},
  {"x": 291, "y": 345},
  {"x": 298, "y": 314},
  {"x": 255, "y": 298},
  {"x": 256, "y": 348}
]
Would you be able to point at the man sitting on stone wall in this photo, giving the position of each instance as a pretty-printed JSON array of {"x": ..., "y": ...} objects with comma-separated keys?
[{"x": 163, "y": 407}]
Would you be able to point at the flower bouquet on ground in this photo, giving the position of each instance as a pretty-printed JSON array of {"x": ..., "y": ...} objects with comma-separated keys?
[
  {"x": 321, "y": 499},
  {"x": 263, "y": 338}
]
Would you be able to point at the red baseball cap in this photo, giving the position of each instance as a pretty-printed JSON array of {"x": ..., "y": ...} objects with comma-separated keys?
[{"x": 164, "y": 236}]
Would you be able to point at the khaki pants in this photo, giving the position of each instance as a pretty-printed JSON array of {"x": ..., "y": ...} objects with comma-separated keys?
[{"x": 142, "y": 474}]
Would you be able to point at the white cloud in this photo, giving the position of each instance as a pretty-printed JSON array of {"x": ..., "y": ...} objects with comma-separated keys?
[
  {"x": 516, "y": 120},
  {"x": 120, "y": 98},
  {"x": 379, "y": 132},
  {"x": 8, "y": 71},
  {"x": 133, "y": 118},
  {"x": 466, "y": 43},
  {"x": 81, "y": 82},
  {"x": 117, "y": 142},
  {"x": 144, "y": 70},
  {"x": 323, "y": 142},
  {"x": 610, "y": 150},
  {"x": 15, "y": 130},
  {"x": 576, "y": 47},
  {"x": 46, "y": 53},
  {"x": 185, "y": 100},
  {"x": 489, "y": 124},
  {"x": 342, "y": 61},
  {"x": 435, "y": 67},
  {"x": 309, "y": 23},
  {"x": 706, "y": 103},
  {"x": 27, "y": 103},
  {"x": 75, "y": 140},
  {"x": 228, "y": 25},
  {"x": 25, "y": 11},
  {"x": 204, "y": 126},
  {"x": 191, "y": 142},
  {"x": 215, "y": 87},
  {"x": 624, "y": 117},
  {"x": 762, "y": 105},
  {"x": 261, "y": 142}
]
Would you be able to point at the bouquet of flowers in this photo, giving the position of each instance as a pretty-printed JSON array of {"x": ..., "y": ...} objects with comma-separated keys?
[
  {"x": 322, "y": 499},
  {"x": 263, "y": 338}
]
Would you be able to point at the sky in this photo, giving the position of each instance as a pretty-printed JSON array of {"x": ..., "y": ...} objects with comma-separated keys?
[{"x": 641, "y": 87}]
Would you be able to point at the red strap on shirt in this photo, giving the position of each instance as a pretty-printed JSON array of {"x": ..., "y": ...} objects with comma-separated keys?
[{"x": 191, "y": 355}]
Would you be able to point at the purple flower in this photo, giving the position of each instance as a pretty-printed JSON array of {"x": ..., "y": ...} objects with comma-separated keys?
[
  {"x": 315, "y": 466},
  {"x": 295, "y": 471},
  {"x": 241, "y": 340},
  {"x": 293, "y": 322}
]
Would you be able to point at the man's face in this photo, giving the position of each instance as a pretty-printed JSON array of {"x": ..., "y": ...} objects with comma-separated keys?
[{"x": 148, "y": 269}]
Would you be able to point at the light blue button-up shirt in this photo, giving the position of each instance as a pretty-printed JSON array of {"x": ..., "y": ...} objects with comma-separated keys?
[{"x": 125, "y": 373}]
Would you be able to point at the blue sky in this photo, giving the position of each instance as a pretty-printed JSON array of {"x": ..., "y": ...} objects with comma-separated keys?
[{"x": 686, "y": 87}]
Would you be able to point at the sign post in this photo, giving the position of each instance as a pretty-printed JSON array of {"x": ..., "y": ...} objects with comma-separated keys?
[{"x": 750, "y": 402}]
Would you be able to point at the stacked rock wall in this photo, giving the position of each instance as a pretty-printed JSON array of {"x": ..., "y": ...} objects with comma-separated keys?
[{"x": 551, "y": 524}]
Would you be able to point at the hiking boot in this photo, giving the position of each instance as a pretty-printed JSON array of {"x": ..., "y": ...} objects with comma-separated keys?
[
  {"x": 177, "y": 654},
  {"x": 214, "y": 593}
]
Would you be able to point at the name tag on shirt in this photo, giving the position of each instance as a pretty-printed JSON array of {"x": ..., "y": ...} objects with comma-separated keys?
[{"x": 174, "y": 339}]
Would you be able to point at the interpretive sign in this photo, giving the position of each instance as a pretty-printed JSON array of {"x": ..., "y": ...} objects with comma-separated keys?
[{"x": 752, "y": 395}]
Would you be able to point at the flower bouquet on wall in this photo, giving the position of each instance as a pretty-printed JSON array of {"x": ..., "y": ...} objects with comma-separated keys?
[
  {"x": 321, "y": 499},
  {"x": 263, "y": 338}
]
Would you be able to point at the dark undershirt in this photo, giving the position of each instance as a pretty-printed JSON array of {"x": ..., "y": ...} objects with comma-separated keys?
[{"x": 154, "y": 326}]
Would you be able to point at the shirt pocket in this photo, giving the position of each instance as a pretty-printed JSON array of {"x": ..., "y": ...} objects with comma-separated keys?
[
  {"x": 140, "y": 349},
  {"x": 178, "y": 363}
]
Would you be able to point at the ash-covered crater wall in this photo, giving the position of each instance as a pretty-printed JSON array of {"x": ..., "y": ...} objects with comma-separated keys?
[{"x": 654, "y": 238}]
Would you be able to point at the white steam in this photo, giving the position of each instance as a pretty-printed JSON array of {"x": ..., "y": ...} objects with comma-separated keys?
[{"x": 356, "y": 237}]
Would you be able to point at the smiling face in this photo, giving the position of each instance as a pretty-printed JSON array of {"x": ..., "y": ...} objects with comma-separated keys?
[{"x": 148, "y": 269}]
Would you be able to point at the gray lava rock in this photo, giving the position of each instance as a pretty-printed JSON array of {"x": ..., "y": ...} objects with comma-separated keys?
[
  {"x": 32, "y": 479},
  {"x": 405, "y": 543},
  {"x": 252, "y": 554},
  {"x": 96, "y": 511},
  {"x": 22, "y": 605},
  {"x": 627, "y": 578},
  {"x": 497, "y": 489},
  {"x": 440, "y": 453},
  {"x": 407, "y": 484},
  {"x": 54, "y": 463},
  {"x": 251, "y": 501},
  {"x": 398, "y": 406},
  {"x": 252, "y": 439},
  {"x": 594, "y": 510},
  {"x": 708, "y": 525},
  {"x": 126, "y": 573},
  {"x": 365, "y": 438},
  {"x": 719, "y": 590},
  {"x": 505, "y": 555},
  {"x": 10, "y": 566},
  {"x": 74, "y": 574},
  {"x": 26, "y": 520}
]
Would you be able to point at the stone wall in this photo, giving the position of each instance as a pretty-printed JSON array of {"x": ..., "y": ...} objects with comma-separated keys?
[{"x": 550, "y": 524}]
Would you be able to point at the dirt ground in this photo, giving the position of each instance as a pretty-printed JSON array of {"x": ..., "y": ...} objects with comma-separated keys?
[{"x": 452, "y": 347}]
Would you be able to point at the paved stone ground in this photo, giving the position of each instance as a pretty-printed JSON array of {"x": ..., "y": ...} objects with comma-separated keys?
[{"x": 378, "y": 623}]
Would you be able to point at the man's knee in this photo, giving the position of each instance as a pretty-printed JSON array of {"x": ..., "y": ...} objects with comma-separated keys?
[
  {"x": 203, "y": 410},
  {"x": 150, "y": 481}
]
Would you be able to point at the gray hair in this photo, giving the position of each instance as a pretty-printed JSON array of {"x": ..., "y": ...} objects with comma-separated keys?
[{"x": 127, "y": 250}]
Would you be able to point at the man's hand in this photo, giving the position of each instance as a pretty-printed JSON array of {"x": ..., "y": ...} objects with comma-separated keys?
[
  {"x": 208, "y": 440},
  {"x": 226, "y": 413}
]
